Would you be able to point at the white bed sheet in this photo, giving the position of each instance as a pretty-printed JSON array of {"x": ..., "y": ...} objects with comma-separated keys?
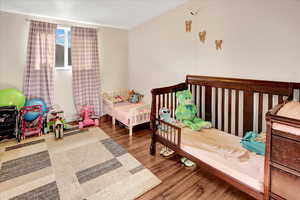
[{"x": 250, "y": 172}]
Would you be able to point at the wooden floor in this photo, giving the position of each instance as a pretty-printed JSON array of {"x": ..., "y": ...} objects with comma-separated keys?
[{"x": 178, "y": 182}]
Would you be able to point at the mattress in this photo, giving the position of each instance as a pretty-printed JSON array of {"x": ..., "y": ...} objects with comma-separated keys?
[
  {"x": 223, "y": 152},
  {"x": 290, "y": 110}
]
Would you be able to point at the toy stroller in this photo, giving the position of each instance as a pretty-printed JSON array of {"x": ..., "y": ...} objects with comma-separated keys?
[
  {"x": 29, "y": 128},
  {"x": 86, "y": 120}
]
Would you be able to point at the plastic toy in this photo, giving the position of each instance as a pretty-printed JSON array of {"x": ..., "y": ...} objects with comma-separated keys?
[
  {"x": 252, "y": 141},
  {"x": 33, "y": 127},
  {"x": 12, "y": 97},
  {"x": 58, "y": 128},
  {"x": 87, "y": 121},
  {"x": 186, "y": 112},
  {"x": 55, "y": 113},
  {"x": 30, "y": 116}
]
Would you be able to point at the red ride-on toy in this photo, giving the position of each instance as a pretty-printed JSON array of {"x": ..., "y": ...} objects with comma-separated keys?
[
  {"x": 86, "y": 120},
  {"x": 34, "y": 127}
]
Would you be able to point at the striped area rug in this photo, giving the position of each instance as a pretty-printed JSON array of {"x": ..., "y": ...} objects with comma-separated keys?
[{"x": 85, "y": 164}]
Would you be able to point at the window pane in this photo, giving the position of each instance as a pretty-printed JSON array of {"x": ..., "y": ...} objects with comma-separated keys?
[
  {"x": 69, "y": 48},
  {"x": 60, "y": 49}
]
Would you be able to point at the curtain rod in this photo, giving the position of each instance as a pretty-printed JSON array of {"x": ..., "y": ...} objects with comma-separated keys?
[
  {"x": 67, "y": 24},
  {"x": 29, "y": 20}
]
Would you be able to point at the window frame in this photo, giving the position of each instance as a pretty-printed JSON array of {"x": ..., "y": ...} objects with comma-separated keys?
[{"x": 66, "y": 67}]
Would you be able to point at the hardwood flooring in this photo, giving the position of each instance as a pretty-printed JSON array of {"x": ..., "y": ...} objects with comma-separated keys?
[{"x": 178, "y": 182}]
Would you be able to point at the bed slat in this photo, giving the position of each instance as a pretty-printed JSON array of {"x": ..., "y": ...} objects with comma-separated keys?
[
  {"x": 208, "y": 93},
  {"x": 280, "y": 99},
  {"x": 168, "y": 100},
  {"x": 200, "y": 101},
  {"x": 237, "y": 103},
  {"x": 195, "y": 96},
  {"x": 260, "y": 111},
  {"x": 159, "y": 105},
  {"x": 223, "y": 109},
  {"x": 216, "y": 107},
  {"x": 270, "y": 101},
  {"x": 229, "y": 111},
  {"x": 248, "y": 112}
]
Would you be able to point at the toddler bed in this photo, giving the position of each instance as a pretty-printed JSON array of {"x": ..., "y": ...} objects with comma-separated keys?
[
  {"x": 129, "y": 114},
  {"x": 234, "y": 106}
]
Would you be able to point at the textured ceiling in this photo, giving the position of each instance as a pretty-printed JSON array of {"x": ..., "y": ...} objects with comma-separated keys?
[{"x": 117, "y": 13}]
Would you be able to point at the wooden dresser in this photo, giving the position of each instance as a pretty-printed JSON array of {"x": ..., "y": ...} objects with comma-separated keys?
[{"x": 282, "y": 163}]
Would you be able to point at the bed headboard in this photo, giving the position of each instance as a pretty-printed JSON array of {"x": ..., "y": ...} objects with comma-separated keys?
[{"x": 232, "y": 105}]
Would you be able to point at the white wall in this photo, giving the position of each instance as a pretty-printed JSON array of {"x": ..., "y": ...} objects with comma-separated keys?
[
  {"x": 113, "y": 50},
  {"x": 113, "y": 58},
  {"x": 260, "y": 41}
]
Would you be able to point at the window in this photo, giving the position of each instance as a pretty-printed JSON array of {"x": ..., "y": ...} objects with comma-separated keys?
[{"x": 63, "y": 48}]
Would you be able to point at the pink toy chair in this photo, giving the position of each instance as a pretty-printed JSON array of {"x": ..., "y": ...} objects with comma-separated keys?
[{"x": 86, "y": 120}]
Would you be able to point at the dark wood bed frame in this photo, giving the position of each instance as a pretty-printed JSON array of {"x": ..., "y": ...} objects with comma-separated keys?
[{"x": 207, "y": 91}]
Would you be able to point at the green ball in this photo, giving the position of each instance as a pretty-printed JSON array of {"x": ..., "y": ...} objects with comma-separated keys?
[{"x": 12, "y": 97}]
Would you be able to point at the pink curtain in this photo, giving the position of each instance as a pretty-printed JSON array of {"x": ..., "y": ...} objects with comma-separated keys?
[
  {"x": 85, "y": 69},
  {"x": 39, "y": 72}
]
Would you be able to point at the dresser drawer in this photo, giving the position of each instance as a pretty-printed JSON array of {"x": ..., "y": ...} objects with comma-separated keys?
[
  {"x": 285, "y": 152},
  {"x": 284, "y": 184}
]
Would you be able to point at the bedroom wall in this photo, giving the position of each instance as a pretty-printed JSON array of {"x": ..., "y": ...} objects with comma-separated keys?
[
  {"x": 113, "y": 50},
  {"x": 261, "y": 41}
]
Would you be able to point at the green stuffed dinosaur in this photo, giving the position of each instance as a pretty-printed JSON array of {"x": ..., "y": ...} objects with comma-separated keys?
[{"x": 186, "y": 112}]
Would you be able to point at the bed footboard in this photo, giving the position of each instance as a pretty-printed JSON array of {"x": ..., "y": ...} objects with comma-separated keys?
[
  {"x": 166, "y": 133},
  {"x": 138, "y": 116}
]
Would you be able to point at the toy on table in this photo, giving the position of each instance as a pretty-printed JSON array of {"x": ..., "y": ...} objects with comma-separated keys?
[
  {"x": 87, "y": 121},
  {"x": 34, "y": 127},
  {"x": 186, "y": 112},
  {"x": 56, "y": 121},
  {"x": 135, "y": 97}
]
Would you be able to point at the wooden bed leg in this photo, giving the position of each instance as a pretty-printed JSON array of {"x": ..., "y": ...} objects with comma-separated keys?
[
  {"x": 153, "y": 145},
  {"x": 113, "y": 121},
  {"x": 130, "y": 130}
]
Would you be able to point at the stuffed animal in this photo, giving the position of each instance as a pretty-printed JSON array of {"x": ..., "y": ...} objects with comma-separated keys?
[
  {"x": 186, "y": 112},
  {"x": 165, "y": 115},
  {"x": 135, "y": 97}
]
